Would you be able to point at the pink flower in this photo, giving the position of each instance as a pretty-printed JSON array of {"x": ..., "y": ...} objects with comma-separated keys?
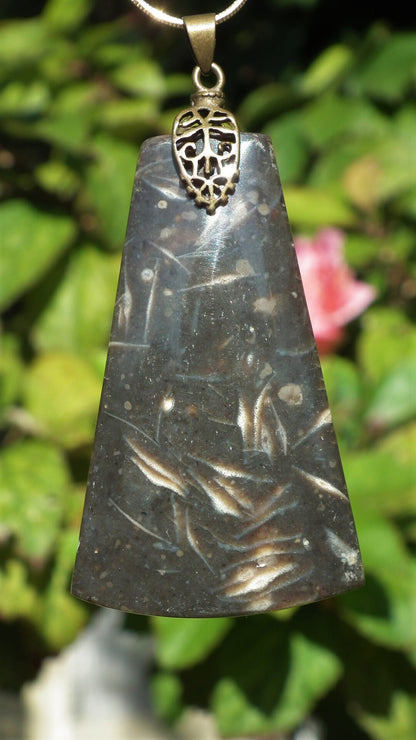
[{"x": 333, "y": 295}]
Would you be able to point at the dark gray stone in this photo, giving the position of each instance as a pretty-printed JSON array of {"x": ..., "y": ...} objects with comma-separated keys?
[{"x": 215, "y": 484}]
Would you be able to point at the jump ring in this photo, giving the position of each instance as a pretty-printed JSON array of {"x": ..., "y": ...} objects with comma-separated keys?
[{"x": 196, "y": 78}]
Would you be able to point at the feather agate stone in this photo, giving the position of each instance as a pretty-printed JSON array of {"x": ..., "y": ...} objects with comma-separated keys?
[{"x": 216, "y": 486}]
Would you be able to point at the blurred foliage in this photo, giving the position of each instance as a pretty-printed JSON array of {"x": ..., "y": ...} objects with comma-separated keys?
[{"x": 81, "y": 85}]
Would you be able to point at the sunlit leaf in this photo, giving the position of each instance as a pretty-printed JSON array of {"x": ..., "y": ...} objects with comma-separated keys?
[
  {"x": 184, "y": 642},
  {"x": 399, "y": 722},
  {"x": 62, "y": 616},
  {"x": 65, "y": 15},
  {"x": 166, "y": 690},
  {"x": 56, "y": 177},
  {"x": 22, "y": 100},
  {"x": 327, "y": 68},
  {"x": 387, "y": 169},
  {"x": 394, "y": 400},
  {"x": 62, "y": 394},
  {"x": 32, "y": 484},
  {"x": 290, "y": 146},
  {"x": 143, "y": 77},
  {"x": 11, "y": 370},
  {"x": 273, "y": 684},
  {"x": 345, "y": 394},
  {"x": 383, "y": 478},
  {"x": 313, "y": 207},
  {"x": 333, "y": 117},
  {"x": 128, "y": 117},
  {"x": 110, "y": 182},
  {"x": 388, "y": 338},
  {"x": 391, "y": 70},
  {"x": 18, "y": 597},
  {"x": 385, "y": 609},
  {"x": 68, "y": 131},
  {"x": 78, "y": 317},
  {"x": 265, "y": 103},
  {"x": 32, "y": 240},
  {"x": 22, "y": 42}
]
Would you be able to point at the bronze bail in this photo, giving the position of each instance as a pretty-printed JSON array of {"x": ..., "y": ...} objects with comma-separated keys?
[{"x": 201, "y": 33}]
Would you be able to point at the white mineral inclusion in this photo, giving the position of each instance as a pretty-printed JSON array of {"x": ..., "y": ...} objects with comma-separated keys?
[
  {"x": 162, "y": 204},
  {"x": 244, "y": 268},
  {"x": 267, "y": 370},
  {"x": 147, "y": 275},
  {"x": 166, "y": 233},
  {"x": 291, "y": 394},
  {"x": 265, "y": 304},
  {"x": 263, "y": 209},
  {"x": 167, "y": 404}
]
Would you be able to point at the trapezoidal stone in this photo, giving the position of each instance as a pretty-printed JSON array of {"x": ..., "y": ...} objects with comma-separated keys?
[{"x": 215, "y": 486}]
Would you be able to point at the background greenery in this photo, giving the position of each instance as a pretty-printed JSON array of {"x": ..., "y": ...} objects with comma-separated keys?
[{"x": 82, "y": 83}]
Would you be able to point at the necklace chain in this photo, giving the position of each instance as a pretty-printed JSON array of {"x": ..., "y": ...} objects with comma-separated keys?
[{"x": 176, "y": 22}]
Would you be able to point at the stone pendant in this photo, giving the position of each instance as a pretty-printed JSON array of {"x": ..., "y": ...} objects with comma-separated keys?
[{"x": 215, "y": 486}]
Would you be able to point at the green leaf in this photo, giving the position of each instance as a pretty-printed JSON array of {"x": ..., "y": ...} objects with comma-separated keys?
[
  {"x": 234, "y": 714},
  {"x": 399, "y": 721},
  {"x": 360, "y": 249},
  {"x": 22, "y": 43},
  {"x": 66, "y": 15},
  {"x": 394, "y": 401},
  {"x": 112, "y": 44},
  {"x": 345, "y": 394},
  {"x": 385, "y": 609},
  {"x": 390, "y": 672},
  {"x": 18, "y": 99},
  {"x": 266, "y": 103},
  {"x": 62, "y": 616},
  {"x": 328, "y": 169},
  {"x": 11, "y": 371},
  {"x": 387, "y": 340},
  {"x": 391, "y": 70},
  {"x": 166, "y": 691},
  {"x": 272, "y": 682},
  {"x": 78, "y": 317},
  {"x": 329, "y": 66},
  {"x": 56, "y": 177},
  {"x": 142, "y": 77},
  {"x": 69, "y": 131},
  {"x": 184, "y": 642},
  {"x": 79, "y": 97},
  {"x": 385, "y": 171},
  {"x": 406, "y": 203},
  {"x": 332, "y": 117},
  {"x": 383, "y": 478},
  {"x": 32, "y": 240},
  {"x": 18, "y": 597},
  {"x": 110, "y": 182},
  {"x": 290, "y": 146},
  {"x": 62, "y": 394},
  {"x": 313, "y": 207},
  {"x": 131, "y": 118},
  {"x": 32, "y": 488},
  {"x": 60, "y": 66}
]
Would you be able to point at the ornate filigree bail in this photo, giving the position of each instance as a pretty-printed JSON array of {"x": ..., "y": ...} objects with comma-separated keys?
[{"x": 206, "y": 144}]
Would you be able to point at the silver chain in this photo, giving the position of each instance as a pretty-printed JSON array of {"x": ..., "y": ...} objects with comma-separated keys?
[{"x": 172, "y": 20}]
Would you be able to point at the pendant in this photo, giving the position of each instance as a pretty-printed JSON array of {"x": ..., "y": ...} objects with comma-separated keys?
[{"x": 215, "y": 486}]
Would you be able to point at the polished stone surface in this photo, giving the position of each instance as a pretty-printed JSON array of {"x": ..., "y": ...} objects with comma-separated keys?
[{"x": 215, "y": 484}]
